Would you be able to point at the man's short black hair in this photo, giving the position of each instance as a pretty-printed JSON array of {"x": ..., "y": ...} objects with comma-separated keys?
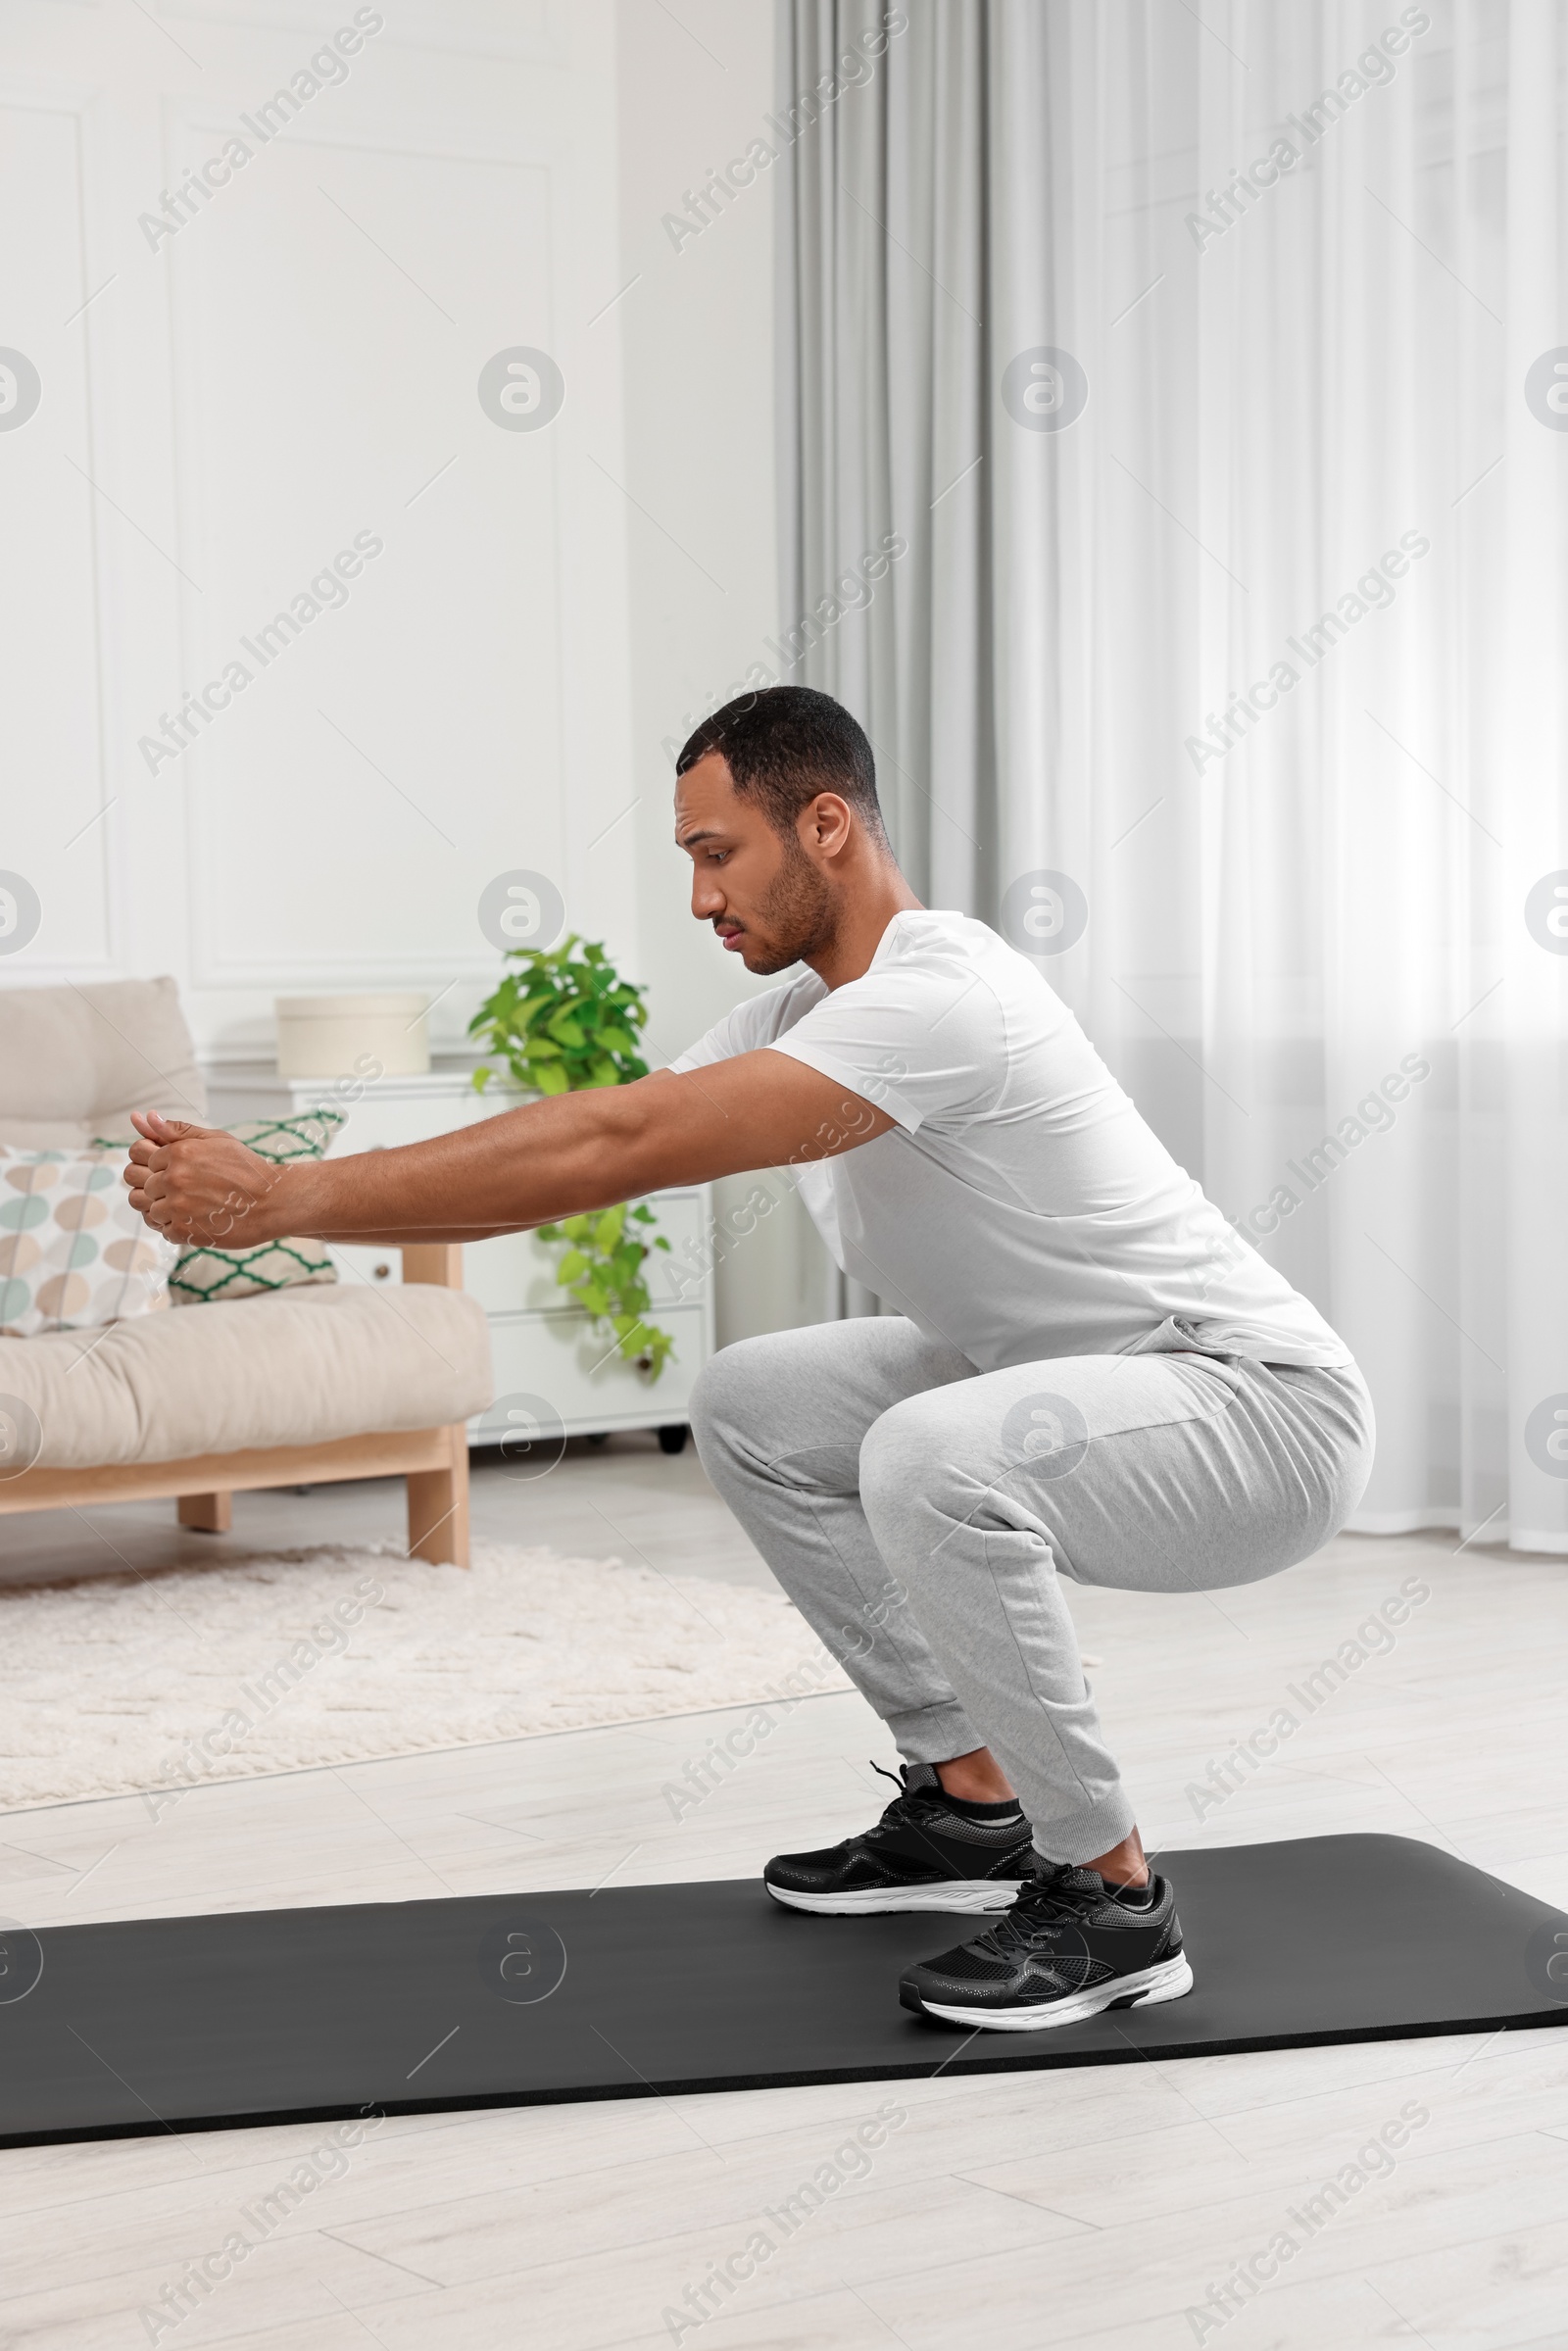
[{"x": 784, "y": 744}]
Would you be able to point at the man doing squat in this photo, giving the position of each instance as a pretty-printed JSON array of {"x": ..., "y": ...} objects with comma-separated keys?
[{"x": 1084, "y": 1375}]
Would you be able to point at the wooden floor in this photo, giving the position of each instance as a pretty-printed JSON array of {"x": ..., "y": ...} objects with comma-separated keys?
[{"x": 1088, "y": 2207}]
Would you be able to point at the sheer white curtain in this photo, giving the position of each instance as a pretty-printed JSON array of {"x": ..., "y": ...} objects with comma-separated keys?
[{"x": 1322, "y": 462}]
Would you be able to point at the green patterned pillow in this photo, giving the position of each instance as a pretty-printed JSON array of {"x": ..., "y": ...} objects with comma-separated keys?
[{"x": 206, "y": 1273}]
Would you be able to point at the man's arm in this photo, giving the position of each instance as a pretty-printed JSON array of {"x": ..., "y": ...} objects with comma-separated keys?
[{"x": 525, "y": 1168}]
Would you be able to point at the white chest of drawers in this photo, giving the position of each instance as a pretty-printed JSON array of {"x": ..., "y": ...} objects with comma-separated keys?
[{"x": 545, "y": 1350}]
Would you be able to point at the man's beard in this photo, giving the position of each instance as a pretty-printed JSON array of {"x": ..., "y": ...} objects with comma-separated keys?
[{"x": 797, "y": 911}]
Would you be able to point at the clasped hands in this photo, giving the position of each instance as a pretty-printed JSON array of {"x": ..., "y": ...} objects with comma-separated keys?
[{"x": 199, "y": 1186}]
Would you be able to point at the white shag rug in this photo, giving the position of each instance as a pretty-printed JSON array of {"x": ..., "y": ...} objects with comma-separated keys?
[{"x": 279, "y": 1662}]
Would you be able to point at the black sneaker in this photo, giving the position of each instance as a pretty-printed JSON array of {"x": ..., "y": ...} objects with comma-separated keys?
[
  {"x": 923, "y": 1854},
  {"x": 1068, "y": 1947}
]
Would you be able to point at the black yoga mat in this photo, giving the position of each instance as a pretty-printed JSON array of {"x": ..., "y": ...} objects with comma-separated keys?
[{"x": 271, "y": 2016}]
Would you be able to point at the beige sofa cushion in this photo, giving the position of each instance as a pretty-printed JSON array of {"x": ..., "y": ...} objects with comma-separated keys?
[
  {"x": 299, "y": 1368},
  {"x": 75, "y": 1063}
]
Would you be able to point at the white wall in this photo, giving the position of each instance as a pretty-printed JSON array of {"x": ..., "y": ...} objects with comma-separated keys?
[
  {"x": 294, "y": 366},
  {"x": 226, "y": 406}
]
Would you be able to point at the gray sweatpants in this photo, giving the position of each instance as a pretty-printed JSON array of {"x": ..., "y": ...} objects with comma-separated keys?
[{"x": 920, "y": 1514}]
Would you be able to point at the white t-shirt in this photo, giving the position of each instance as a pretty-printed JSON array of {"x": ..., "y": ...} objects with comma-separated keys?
[{"x": 1020, "y": 1209}]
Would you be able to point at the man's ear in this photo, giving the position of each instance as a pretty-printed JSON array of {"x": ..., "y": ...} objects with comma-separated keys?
[{"x": 827, "y": 823}]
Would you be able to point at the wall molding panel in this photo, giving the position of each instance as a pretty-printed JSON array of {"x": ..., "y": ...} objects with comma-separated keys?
[{"x": 287, "y": 363}]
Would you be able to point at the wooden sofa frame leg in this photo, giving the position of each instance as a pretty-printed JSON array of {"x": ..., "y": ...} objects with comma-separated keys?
[
  {"x": 438, "y": 1507},
  {"x": 438, "y": 1498},
  {"x": 208, "y": 1513}
]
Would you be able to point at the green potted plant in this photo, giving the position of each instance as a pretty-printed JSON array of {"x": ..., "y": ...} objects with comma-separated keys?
[{"x": 559, "y": 1022}]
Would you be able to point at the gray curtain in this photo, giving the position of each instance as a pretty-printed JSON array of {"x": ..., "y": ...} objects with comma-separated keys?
[
  {"x": 885, "y": 408},
  {"x": 907, "y": 186},
  {"x": 1173, "y": 409}
]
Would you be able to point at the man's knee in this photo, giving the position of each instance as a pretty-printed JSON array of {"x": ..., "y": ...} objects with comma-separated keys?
[
  {"x": 739, "y": 1398},
  {"x": 902, "y": 1462},
  {"x": 926, "y": 1474},
  {"x": 728, "y": 1394}
]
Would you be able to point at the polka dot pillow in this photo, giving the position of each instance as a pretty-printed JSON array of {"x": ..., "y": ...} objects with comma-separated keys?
[{"x": 74, "y": 1254}]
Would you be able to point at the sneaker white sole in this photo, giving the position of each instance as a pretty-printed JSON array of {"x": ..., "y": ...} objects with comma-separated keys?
[
  {"x": 1168, "y": 1981},
  {"x": 972, "y": 1895}
]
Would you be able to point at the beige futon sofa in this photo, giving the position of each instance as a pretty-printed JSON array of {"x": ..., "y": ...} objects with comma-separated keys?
[{"x": 300, "y": 1386}]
